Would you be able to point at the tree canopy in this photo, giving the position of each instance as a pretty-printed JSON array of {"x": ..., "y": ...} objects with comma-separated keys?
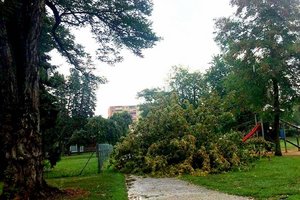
[
  {"x": 30, "y": 29},
  {"x": 261, "y": 43},
  {"x": 115, "y": 24},
  {"x": 177, "y": 139}
]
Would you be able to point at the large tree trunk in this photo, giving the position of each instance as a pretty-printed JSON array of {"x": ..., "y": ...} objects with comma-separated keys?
[
  {"x": 19, "y": 38},
  {"x": 276, "y": 124}
]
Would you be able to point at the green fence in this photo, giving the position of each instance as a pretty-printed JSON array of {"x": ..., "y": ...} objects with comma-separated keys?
[{"x": 103, "y": 153}]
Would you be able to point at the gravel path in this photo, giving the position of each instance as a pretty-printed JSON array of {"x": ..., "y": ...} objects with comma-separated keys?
[{"x": 140, "y": 188}]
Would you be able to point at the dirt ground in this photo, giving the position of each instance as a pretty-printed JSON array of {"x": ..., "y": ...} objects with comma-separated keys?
[
  {"x": 140, "y": 188},
  {"x": 293, "y": 152}
]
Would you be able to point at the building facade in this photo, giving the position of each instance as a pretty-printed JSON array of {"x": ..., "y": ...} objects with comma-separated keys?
[{"x": 133, "y": 110}]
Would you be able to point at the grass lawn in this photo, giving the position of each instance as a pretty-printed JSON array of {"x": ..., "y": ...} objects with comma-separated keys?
[
  {"x": 277, "y": 178},
  {"x": 72, "y": 165},
  {"x": 289, "y": 146},
  {"x": 107, "y": 185}
]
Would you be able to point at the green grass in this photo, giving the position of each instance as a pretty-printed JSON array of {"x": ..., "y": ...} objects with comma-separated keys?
[
  {"x": 72, "y": 166},
  {"x": 107, "y": 185},
  {"x": 277, "y": 178},
  {"x": 289, "y": 146}
]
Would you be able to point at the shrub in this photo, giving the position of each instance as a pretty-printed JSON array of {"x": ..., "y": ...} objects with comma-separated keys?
[{"x": 174, "y": 139}]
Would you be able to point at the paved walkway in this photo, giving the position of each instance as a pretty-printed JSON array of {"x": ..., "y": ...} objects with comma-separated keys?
[{"x": 140, "y": 188}]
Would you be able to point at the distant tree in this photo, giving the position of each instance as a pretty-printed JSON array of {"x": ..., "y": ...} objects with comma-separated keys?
[
  {"x": 216, "y": 75},
  {"x": 115, "y": 24},
  {"x": 89, "y": 85},
  {"x": 81, "y": 92},
  {"x": 104, "y": 130},
  {"x": 149, "y": 98},
  {"x": 188, "y": 85},
  {"x": 73, "y": 93},
  {"x": 294, "y": 116},
  {"x": 261, "y": 43},
  {"x": 122, "y": 121}
]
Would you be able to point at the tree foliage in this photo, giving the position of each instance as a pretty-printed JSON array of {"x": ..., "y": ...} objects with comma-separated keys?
[
  {"x": 187, "y": 85},
  {"x": 174, "y": 139},
  {"x": 81, "y": 93},
  {"x": 114, "y": 23},
  {"x": 216, "y": 76},
  {"x": 150, "y": 98},
  {"x": 100, "y": 130},
  {"x": 28, "y": 31},
  {"x": 261, "y": 43}
]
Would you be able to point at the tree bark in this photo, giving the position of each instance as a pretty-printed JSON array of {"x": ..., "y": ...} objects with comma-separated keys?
[
  {"x": 276, "y": 123},
  {"x": 20, "y": 29}
]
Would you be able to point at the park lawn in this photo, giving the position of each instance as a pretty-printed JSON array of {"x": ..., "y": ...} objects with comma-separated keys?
[
  {"x": 107, "y": 185},
  {"x": 70, "y": 166},
  {"x": 277, "y": 178}
]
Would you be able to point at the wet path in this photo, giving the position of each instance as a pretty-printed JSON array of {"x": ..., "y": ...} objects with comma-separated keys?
[{"x": 140, "y": 188}]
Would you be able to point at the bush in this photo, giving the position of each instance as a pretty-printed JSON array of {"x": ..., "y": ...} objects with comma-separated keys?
[{"x": 175, "y": 139}]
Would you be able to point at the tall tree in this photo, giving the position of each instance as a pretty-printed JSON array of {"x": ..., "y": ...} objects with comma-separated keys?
[
  {"x": 80, "y": 92},
  {"x": 122, "y": 121},
  {"x": 150, "y": 99},
  {"x": 115, "y": 24},
  {"x": 261, "y": 42},
  {"x": 188, "y": 85},
  {"x": 216, "y": 75}
]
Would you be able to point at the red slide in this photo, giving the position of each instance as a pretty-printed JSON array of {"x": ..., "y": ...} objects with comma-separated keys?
[{"x": 251, "y": 133}]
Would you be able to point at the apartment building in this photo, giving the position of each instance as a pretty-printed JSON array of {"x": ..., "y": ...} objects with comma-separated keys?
[{"x": 133, "y": 110}]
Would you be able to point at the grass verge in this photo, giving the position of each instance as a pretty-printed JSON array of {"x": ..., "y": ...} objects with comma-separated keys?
[
  {"x": 107, "y": 185},
  {"x": 277, "y": 178},
  {"x": 70, "y": 166}
]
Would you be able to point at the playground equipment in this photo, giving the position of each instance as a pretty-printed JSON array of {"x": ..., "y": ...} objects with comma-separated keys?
[
  {"x": 283, "y": 134},
  {"x": 259, "y": 126},
  {"x": 252, "y": 132}
]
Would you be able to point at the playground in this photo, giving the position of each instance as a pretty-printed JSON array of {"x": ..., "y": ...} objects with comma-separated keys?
[{"x": 289, "y": 135}]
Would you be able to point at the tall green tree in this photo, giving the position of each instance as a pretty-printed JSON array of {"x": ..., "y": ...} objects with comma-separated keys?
[
  {"x": 122, "y": 121},
  {"x": 115, "y": 24},
  {"x": 261, "y": 42},
  {"x": 81, "y": 92},
  {"x": 103, "y": 130},
  {"x": 150, "y": 99},
  {"x": 187, "y": 85},
  {"x": 216, "y": 75}
]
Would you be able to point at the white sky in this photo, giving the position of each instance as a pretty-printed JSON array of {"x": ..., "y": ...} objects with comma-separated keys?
[{"x": 186, "y": 27}]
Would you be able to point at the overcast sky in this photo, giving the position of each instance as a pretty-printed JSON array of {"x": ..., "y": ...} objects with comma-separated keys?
[{"x": 186, "y": 27}]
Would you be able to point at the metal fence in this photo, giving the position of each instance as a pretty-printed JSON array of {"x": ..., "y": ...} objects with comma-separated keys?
[{"x": 103, "y": 153}]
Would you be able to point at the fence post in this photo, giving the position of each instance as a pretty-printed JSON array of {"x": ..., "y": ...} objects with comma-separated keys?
[{"x": 97, "y": 152}]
